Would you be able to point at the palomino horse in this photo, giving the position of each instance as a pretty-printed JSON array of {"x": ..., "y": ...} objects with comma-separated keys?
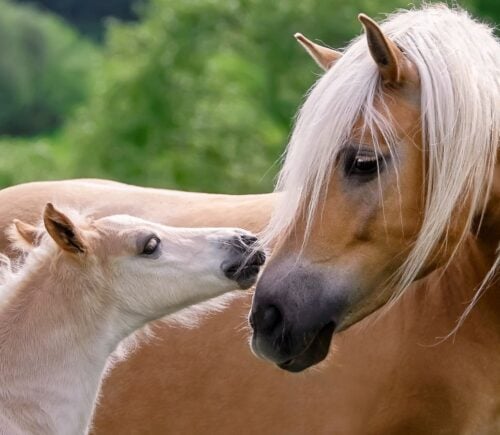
[
  {"x": 391, "y": 186},
  {"x": 392, "y": 374},
  {"x": 72, "y": 302}
]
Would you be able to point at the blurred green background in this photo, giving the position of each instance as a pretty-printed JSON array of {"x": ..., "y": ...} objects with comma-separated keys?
[{"x": 188, "y": 94}]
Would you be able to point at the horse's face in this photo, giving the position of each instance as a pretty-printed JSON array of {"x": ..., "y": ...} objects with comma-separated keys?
[
  {"x": 334, "y": 277},
  {"x": 369, "y": 216}
]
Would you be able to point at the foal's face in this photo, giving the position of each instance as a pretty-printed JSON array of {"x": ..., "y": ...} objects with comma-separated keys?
[{"x": 156, "y": 270}]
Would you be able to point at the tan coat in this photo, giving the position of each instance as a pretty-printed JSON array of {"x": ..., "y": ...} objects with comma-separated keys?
[{"x": 384, "y": 376}]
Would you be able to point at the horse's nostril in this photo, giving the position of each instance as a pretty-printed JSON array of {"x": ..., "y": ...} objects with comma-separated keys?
[{"x": 267, "y": 319}]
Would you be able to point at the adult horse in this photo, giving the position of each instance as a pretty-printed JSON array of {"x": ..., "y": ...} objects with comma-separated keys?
[
  {"x": 388, "y": 374},
  {"x": 391, "y": 191}
]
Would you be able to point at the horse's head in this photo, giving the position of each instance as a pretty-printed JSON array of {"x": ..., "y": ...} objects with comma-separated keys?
[{"x": 371, "y": 203}]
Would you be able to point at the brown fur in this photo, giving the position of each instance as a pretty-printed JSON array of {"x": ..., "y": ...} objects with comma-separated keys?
[{"x": 387, "y": 375}]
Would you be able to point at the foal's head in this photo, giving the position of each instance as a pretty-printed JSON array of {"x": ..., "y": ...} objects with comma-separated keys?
[
  {"x": 141, "y": 268},
  {"x": 389, "y": 164}
]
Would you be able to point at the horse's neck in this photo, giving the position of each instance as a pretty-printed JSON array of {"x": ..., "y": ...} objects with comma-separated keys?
[
  {"x": 53, "y": 351},
  {"x": 485, "y": 253},
  {"x": 452, "y": 290},
  {"x": 490, "y": 228},
  {"x": 445, "y": 295}
]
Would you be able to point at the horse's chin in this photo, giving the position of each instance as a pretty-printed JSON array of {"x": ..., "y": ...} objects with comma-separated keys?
[{"x": 314, "y": 353}]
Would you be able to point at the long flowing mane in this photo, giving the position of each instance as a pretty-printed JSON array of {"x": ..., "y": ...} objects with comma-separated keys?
[{"x": 458, "y": 60}]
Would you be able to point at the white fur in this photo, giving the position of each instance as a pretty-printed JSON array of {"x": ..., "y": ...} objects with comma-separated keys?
[
  {"x": 62, "y": 316},
  {"x": 458, "y": 60}
]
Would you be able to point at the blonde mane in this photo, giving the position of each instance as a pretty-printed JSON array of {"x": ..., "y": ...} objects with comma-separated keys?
[{"x": 458, "y": 60}]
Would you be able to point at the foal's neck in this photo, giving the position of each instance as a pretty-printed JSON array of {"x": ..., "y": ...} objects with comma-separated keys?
[{"x": 55, "y": 338}]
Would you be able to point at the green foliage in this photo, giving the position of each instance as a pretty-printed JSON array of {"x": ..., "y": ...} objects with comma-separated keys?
[
  {"x": 45, "y": 70},
  {"x": 488, "y": 10},
  {"x": 201, "y": 93},
  {"x": 23, "y": 160}
]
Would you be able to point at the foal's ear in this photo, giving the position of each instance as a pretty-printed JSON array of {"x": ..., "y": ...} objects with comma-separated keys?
[
  {"x": 325, "y": 57},
  {"x": 394, "y": 67},
  {"x": 28, "y": 233},
  {"x": 63, "y": 231}
]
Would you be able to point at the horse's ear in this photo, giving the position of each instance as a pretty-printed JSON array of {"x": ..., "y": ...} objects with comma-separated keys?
[
  {"x": 63, "y": 230},
  {"x": 394, "y": 67},
  {"x": 27, "y": 232},
  {"x": 325, "y": 57}
]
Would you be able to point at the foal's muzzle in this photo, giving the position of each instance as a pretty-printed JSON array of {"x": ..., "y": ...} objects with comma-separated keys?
[{"x": 245, "y": 260}]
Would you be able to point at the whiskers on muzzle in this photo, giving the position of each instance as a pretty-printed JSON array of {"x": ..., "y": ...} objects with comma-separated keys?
[{"x": 245, "y": 260}]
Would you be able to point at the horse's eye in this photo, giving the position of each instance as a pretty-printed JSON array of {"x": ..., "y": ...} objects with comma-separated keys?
[
  {"x": 151, "y": 246},
  {"x": 363, "y": 165}
]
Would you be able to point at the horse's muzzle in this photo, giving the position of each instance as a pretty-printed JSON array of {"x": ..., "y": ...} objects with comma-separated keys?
[{"x": 293, "y": 317}]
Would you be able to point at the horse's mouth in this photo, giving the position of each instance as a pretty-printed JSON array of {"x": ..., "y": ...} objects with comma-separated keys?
[{"x": 315, "y": 352}]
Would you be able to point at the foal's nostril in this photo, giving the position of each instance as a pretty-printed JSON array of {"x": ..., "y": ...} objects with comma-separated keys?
[
  {"x": 267, "y": 319},
  {"x": 248, "y": 240},
  {"x": 256, "y": 258},
  {"x": 244, "y": 260}
]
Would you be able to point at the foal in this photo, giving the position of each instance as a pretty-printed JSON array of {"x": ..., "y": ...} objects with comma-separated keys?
[{"x": 85, "y": 286}]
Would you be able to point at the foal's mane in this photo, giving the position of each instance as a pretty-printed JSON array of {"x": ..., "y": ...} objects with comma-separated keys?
[{"x": 458, "y": 60}]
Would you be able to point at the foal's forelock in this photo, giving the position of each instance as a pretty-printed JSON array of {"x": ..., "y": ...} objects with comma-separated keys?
[{"x": 458, "y": 61}]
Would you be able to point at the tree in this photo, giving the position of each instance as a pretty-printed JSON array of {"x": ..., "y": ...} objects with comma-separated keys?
[
  {"x": 201, "y": 93},
  {"x": 45, "y": 70}
]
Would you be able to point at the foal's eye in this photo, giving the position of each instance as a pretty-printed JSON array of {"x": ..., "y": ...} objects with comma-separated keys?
[
  {"x": 363, "y": 165},
  {"x": 151, "y": 246}
]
